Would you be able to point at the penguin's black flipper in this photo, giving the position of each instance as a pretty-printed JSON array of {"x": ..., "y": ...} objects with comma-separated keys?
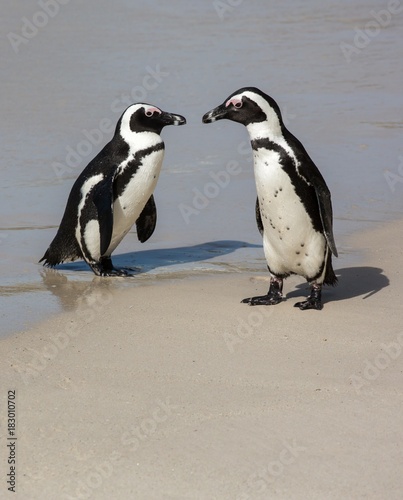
[
  {"x": 312, "y": 176},
  {"x": 258, "y": 217},
  {"x": 103, "y": 201},
  {"x": 326, "y": 215},
  {"x": 147, "y": 220}
]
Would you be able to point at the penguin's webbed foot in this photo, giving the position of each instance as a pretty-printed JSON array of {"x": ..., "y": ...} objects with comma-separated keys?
[
  {"x": 274, "y": 295},
  {"x": 263, "y": 300},
  {"x": 105, "y": 268},
  {"x": 314, "y": 301},
  {"x": 309, "y": 303},
  {"x": 116, "y": 272}
]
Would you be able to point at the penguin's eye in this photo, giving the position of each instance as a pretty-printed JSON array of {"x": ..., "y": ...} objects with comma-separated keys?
[
  {"x": 238, "y": 104},
  {"x": 149, "y": 113}
]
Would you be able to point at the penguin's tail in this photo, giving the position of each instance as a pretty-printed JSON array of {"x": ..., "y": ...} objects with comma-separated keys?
[
  {"x": 64, "y": 248},
  {"x": 330, "y": 277}
]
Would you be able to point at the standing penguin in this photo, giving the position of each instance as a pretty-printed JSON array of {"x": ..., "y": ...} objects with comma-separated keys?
[
  {"x": 113, "y": 192},
  {"x": 293, "y": 207}
]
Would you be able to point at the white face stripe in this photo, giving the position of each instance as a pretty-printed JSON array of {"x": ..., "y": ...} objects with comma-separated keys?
[
  {"x": 125, "y": 129},
  {"x": 272, "y": 121},
  {"x": 270, "y": 128},
  {"x": 138, "y": 140},
  {"x": 128, "y": 114}
]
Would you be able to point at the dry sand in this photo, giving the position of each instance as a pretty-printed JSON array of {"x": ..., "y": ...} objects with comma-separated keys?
[{"x": 177, "y": 391}]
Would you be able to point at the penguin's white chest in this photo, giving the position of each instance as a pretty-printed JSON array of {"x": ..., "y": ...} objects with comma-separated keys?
[
  {"x": 130, "y": 203},
  {"x": 291, "y": 244}
]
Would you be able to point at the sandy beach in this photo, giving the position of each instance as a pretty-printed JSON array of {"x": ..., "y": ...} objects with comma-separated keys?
[
  {"x": 164, "y": 386},
  {"x": 175, "y": 390}
]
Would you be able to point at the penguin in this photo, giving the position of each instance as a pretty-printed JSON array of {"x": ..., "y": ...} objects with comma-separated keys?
[
  {"x": 114, "y": 191},
  {"x": 293, "y": 207}
]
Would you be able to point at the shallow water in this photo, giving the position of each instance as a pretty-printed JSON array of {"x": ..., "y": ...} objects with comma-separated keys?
[{"x": 64, "y": 87}]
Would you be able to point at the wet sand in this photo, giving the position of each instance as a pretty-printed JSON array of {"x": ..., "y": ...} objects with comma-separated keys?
[{"x": 177, "y": 391}]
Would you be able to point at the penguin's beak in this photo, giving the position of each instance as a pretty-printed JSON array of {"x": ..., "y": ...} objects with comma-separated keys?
[
  {"x": 217, "y": 113},
  {"x": 171, "y": 119}
]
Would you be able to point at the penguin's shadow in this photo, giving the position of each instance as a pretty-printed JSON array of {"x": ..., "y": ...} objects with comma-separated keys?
[
  {"x": 146, "y": 260},
  {"x": 353, "y": 282},
  {"x": 73, "y": 293}
]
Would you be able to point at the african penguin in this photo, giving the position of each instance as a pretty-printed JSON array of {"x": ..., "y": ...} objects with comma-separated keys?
[
  {"x": 113, "y": 192},
  {"x": 293, "y": 207}
]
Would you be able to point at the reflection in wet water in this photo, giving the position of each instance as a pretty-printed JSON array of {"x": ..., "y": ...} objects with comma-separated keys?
[
  {"x": 74, "y": 286},
  {"x": 74, "y": 294},
  {"x": 153, "y": 265}
]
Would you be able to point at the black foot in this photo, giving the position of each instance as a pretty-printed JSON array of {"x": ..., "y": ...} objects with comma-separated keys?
[
  {"x": 105, "y": 268},
  {"x": 116, "y": 272},
  {"x": 314, "y": 301},
  {"x": 274, "y": 295},
  {"x": 263, "y": 300}
]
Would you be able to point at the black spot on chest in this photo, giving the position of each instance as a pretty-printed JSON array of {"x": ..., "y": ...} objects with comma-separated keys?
[{"x": 305, "y": 192}]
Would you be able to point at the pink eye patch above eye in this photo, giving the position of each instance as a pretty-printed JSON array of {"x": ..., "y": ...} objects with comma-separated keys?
[
  {"x": 234, "y": 101},
  {"x": 151, "y": 110}
]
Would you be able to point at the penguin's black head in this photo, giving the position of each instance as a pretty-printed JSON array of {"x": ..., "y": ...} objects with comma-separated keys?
[
  {"x": 146, "y": 118},
  {"x": 247, "y": 106}
]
